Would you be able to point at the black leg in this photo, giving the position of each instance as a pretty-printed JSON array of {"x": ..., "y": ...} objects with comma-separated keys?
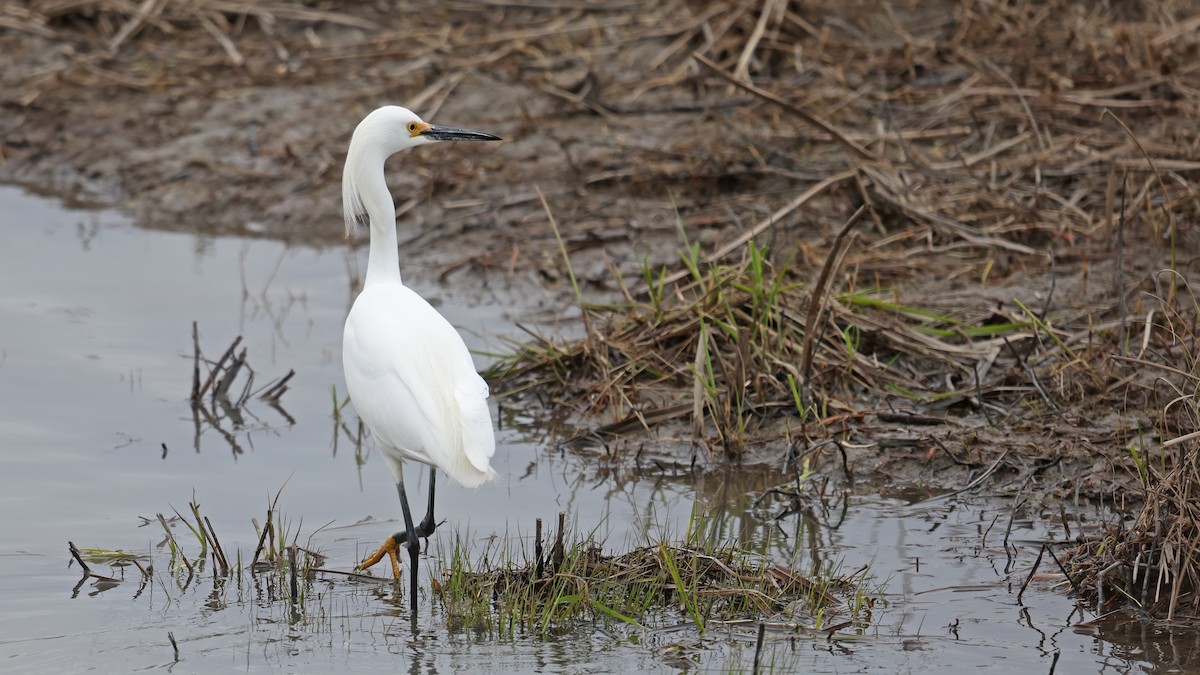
[
  {"x": 414, "y": 547},
  {"x": 401, "y": 539},
  {"x": 427, "y": 525}
]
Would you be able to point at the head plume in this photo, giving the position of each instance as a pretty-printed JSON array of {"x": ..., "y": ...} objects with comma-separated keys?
[
  {"x": 353, "y": 208},
  {"x": 381, "y": 134}
]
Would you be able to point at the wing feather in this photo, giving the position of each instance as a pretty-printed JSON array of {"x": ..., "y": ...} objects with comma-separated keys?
[
  {"x": 411, "y": 379},
  {"x": 478, "y": 440}
]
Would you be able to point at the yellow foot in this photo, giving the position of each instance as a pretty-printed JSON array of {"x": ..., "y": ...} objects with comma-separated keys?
[{"x": 389, "y": 549}]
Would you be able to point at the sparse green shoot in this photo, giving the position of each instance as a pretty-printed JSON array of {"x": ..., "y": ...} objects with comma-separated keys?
[{"x": 660, "y": 583}]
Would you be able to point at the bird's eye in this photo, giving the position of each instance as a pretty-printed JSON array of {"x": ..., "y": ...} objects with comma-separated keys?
[{"x": 412, "y": 126}]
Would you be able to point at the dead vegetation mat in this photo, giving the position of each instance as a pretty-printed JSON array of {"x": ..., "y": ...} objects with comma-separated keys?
[
  {"x": 1151, "y": 565},
  {"x": 693, "y": 580},
  {"x": 1012, "y": 310}
]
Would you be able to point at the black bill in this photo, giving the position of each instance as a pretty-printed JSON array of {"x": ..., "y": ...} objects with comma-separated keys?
[{"x": 437, "y": 133}]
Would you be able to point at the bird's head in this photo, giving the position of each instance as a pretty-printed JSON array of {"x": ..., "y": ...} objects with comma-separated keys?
[
  {"x": 394, "y": 129},
  {"x": 380, "y": 135}
]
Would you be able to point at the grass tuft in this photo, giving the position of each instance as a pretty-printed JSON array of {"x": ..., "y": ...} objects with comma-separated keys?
[
  {"x": 658, "y": 584},
  {"x": 724, "y": 346}
]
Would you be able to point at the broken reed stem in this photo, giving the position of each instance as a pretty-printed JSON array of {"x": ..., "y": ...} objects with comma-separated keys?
[
  {"x": 1070, "y": 579},
  {"x": 262, "y": 538},
  {"x": 195, "y": 362},
  {"x": 204, "y": 538},
  {"x": 175, "y": 545},
  {"x": 218, "y": 552},
  {"x": 145, "y": 572},
  {"x": 78, "y": 558},
  {"x": 241, "y": 399},
  {"x": 274, "y": 391},
  {"x": 816, "y": 302},
  {"x": 196, "y": 532},
  {"x": 231, "y": 373},
  {"x": 216, "y": 368},
  {"x": 293, "y": 581},
  {"x": 558, "y": 554},
  {"x": 1033, "y": 570},
  {"x": 87, "y": 571},
  {"x": 537, "y": 549},
  {"x": 268, "y": 529}
]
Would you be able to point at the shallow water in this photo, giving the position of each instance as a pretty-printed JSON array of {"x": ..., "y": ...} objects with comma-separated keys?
[{"x": 96, "y": 433}]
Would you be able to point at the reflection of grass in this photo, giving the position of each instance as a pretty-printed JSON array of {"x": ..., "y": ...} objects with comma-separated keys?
[
  {"x": 280, "y": 566},
  {"x": 694, "y": 581},
  {"x": 220, "y": 399},
  {"x": 707, "y": 588},
  {"x": 340, "y": 427}
]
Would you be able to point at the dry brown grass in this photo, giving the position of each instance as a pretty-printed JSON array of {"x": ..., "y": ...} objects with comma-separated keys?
[
  {"x": 1151, "y": 562},
  {"x": 1152, "y": 565},
  {"x": 993, "y": 146}
]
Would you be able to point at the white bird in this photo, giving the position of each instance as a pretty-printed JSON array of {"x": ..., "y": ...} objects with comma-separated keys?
[{"x": 407, "y": 369}]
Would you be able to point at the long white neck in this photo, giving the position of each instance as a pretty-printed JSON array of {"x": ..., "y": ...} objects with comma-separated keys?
[{"x": 364, "y": 189}]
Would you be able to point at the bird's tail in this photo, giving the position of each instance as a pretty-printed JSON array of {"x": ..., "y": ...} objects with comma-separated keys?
[{"x": 478, "y": 439}]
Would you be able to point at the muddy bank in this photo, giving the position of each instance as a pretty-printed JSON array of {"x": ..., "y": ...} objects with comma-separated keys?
[{"x": 246, "y": 134}]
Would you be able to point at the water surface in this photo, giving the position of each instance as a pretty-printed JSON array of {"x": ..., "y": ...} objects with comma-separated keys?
[{"x": 96, "y": 435}]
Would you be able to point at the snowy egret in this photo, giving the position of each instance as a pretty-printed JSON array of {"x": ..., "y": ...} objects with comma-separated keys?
[{"x": 407, "y": 369}]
